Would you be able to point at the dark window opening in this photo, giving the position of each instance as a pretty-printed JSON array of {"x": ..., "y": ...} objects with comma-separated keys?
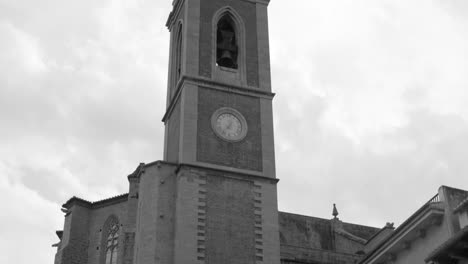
[
  {"x": 226, "y": 43},
  {"x": 178, "y": 62}
]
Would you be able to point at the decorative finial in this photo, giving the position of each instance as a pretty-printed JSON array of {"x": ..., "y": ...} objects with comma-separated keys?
[{"x": 335, "y": 211}]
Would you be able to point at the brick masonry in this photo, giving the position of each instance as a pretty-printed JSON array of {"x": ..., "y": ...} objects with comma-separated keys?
[
  {"x": 173, "y": 135},
  {"x": 246, "y": 154},
  {"x": 230, "y": 217},
  {"x": 203, "y": 216},
  {"x": 248, "y": 12}
]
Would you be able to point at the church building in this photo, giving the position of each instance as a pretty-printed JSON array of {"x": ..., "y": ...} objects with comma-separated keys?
[{"x": 212, "y": 199}]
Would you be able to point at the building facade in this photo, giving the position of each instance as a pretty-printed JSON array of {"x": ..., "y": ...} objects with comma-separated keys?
[
  {"x": 437, "y": 233},
  {"x": 213, "y": 197}
]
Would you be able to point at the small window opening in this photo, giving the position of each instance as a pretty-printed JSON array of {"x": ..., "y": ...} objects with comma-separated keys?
[{"x": 226, "y": 43}]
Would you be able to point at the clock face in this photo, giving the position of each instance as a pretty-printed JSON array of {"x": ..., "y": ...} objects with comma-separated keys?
[{"x": 229, "y": 124}]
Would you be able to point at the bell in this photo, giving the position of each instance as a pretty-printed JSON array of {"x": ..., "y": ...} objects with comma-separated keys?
[{"x": 226, "y": 59}]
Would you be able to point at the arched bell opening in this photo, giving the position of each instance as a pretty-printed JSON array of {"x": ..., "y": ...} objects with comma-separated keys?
[{"x": 226, "y": 43}]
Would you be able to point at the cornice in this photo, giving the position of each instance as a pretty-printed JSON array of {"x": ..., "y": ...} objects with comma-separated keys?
[
  {"x": 176, "y": 7},
  {"x": 388, "y": 226},
  {"x": 263, "y": 2},
  {"x": 138, "y": 171},
  {"x": 227, "y": 173},
  {"x": 159, "y": 163},
  {"x": 430, "y": 213},
  {"x": 208, "y": 83}
]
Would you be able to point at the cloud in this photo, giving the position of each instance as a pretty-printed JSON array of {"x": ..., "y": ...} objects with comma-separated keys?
[
  {"x": 27, "y": 220},
  {"x": 362, "y": 178},
  {"x": 81, "y": 91},
  {"x": 368, "y": 95},
  {"x": 371, "y": 98},
  {"x": 81, "y": 99}
]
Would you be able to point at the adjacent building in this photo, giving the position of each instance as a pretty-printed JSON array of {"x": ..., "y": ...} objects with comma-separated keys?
[{"x": 436, "y": 233}]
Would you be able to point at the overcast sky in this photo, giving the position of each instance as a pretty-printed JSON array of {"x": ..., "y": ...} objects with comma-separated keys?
[{"x": 371, "y": 109}]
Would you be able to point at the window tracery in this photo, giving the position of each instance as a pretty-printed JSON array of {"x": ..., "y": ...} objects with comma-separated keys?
[{"x": 111, "y": 240}]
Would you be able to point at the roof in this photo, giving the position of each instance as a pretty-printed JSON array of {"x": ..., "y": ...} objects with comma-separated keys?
[
  {"x": 388, "y": 226},
  {"x": 362, "y": 231},
  {"x": 448, "y": 245},
  {"x": 112, "y": 200},
  {"x": 115, "y": 199},
  {"x": 431, "y": 205},
  {"x": 314, "y": 232}
]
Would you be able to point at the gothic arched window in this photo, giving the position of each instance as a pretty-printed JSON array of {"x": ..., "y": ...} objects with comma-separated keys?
[
  {"x": 178, "y": 55},
  {"x": 112, "y": 244},
  {"x": 110, "y": 240},
  {"x": 226, "y": 43}
]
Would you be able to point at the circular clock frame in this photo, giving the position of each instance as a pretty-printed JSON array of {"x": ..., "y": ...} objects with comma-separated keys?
[{"x": 218, "y": 130}]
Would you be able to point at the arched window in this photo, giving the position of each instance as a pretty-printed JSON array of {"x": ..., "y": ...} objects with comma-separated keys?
[
  {"x": 110, "y": 241},
  {"x": 178, "y": 55},
  {"x": 112, "y": 244},
  {"x": 226, "y": 43}
]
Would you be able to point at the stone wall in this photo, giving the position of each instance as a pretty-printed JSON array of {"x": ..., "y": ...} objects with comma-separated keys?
[
  {"x": 307, "y": 239},
  {"x": 173, "y": 134},
  {"x": 96, "y": 232},
  {"x": 154, "y": 241},
  {"x": 74, "y": 246}
]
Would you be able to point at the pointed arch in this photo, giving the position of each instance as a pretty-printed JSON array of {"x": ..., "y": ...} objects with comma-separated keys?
[
  {"x": 233, "y": 23},
  {"x": 110, "y": 240},
  {"x": 178, "y": 52},
  {"x": 226, "y": 42},
  {"x": 176, "y": 60},
  {"x": 237, "y": 19}
]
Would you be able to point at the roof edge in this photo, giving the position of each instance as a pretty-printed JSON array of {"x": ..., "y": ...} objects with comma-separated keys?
[{"x": 97, "y": 204}]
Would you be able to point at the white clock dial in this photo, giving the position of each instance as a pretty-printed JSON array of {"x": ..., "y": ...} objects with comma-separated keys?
[{"x": 229, "y": 124}]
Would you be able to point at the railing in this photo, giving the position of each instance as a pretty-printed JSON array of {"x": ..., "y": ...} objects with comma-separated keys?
[{"x": 434, "y": 199}]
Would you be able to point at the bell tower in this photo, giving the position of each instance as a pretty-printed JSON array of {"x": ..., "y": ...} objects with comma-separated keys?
[
  {"x": 214, "y": 199},
  {"x": 219, "y": 112}
]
